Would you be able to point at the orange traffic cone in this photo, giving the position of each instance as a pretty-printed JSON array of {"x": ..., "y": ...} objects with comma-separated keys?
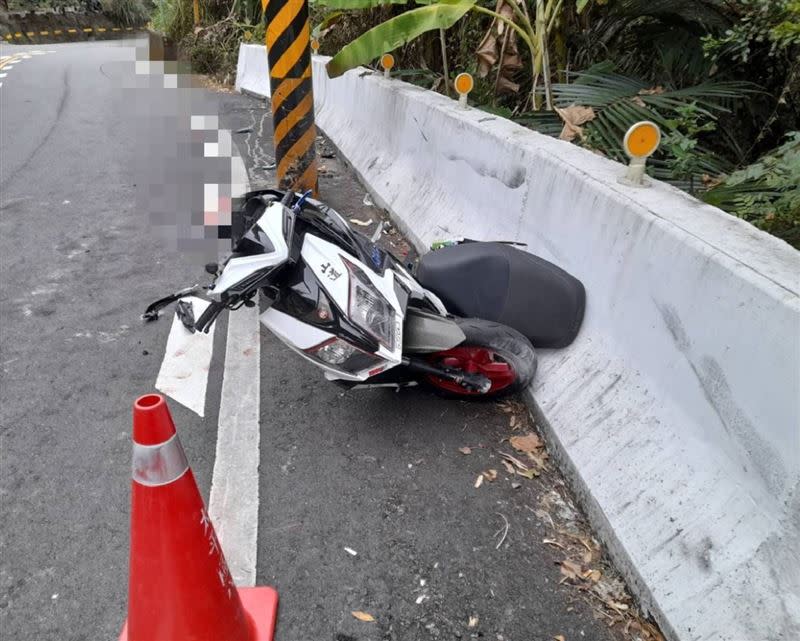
[{"x": 180, "y": 588}]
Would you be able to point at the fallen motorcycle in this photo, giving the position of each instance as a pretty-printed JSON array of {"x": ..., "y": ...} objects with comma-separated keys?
[{"x": 463, "y": 325}]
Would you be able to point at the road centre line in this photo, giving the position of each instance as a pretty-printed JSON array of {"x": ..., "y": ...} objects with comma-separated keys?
[{"x": 233, "y": 501}]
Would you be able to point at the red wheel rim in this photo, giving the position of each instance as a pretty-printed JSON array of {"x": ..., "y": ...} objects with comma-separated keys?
[{"x": 475, "y": 360}]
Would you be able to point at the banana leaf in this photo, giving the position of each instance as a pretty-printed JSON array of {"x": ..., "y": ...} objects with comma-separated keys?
[{"x": 396, "y": 32}]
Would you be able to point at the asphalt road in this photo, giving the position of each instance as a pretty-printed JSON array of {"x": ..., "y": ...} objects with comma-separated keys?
[{"x": 378, "y": 472}]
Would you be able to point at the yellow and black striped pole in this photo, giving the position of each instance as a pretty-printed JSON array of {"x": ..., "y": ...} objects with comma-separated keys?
[{"x": 289, "y": 55}]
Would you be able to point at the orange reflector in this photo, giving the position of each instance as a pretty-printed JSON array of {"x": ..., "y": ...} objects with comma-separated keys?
[
  {"x": 642, "y": 139},
  {"x": 464, "y": 83},
  {"x": 387, "y": 61}
]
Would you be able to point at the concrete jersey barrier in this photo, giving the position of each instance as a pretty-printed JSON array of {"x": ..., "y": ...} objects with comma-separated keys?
[
  {"x": 252, "y": 70},
  {"x": 676, "y": 412}
]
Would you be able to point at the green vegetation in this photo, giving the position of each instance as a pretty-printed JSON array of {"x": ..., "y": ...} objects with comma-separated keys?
[
  {"x": 766, "y": 192},
  {"x": 213, "y": 46},
  {"x": 720, "y": 77},
  {"x": 125, "y": 12}
]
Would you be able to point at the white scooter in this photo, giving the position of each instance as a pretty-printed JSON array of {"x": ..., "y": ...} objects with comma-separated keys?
[{"x": 337, "y": 299}]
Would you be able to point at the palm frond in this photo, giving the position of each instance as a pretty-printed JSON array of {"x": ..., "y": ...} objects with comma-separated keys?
[{"x": 712, "y": 14}]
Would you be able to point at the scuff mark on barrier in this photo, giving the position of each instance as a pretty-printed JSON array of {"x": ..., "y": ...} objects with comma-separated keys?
[
  {"x": 421, "y": 133},
  {"x": 514, "y": 181},
  {"x": 718, "y": 393}
]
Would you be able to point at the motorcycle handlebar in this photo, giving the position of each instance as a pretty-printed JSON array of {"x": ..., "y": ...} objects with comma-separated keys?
[{"x": 203, "y": 323}]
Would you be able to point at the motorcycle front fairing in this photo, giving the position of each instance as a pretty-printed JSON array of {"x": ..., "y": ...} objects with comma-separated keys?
[{"x": 337, "y": 312}]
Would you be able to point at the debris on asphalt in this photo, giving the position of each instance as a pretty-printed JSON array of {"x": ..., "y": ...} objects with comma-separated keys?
[
  {"x": 533, "y": 447},
  {"x": 479, "y": 481},
  {"x": 472, "y": 622},
  {"x": 518, "y": 466},
  {"x": 583, "y": 565},
  {"x": 351, "y": 551},
  {"x": 465, "y": 450},
  {"x": 527, "y": 443},
  {"x": 361, "y": 223},
  {"x": 368, "y": 201},
  {"x": 554, "y": 543},
  {"x": 244, "y": 130},
  {"x": 363, "y": 616},
  {"x": 503, "y": 529},
  {"x": 268, "y": 167},
  {"x": 325, "y": 148},
  {"x": 585, "y": 568},
  {"x": 490, "y": 475}
]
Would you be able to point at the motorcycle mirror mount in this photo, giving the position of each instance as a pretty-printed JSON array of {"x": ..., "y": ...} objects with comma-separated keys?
[{"x": 153, "y": 309}]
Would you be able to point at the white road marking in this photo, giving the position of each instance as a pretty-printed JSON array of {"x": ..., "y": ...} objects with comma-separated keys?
[
  {"x": 184, "y": 371},
  {"x": 233, "y": 502}
]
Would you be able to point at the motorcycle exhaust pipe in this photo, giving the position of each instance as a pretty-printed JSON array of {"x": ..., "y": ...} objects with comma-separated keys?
[{"x": 476, "y": 382}]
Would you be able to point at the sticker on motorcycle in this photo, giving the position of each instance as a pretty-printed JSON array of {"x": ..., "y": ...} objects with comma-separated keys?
[{"x": 329, "y": 271}]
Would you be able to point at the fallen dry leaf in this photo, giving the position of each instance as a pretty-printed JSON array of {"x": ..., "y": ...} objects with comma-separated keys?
[
  {"x": 592, "y": 575},
  {"x": 508, "y": 466},
  {"x": 540, "y": 458},
  {"x": 465, "y": 450},
  {"x": 529, "y": 442},
  {"x": 652, "y": 92},
  {"x": 490, "y": 475},
  {"x": 560, "y": 637},
  {"x": 517, "y": 463},
  {"x": 513, "y": 422},
  {"x": 363, "y": 616},
  {"x": 571, "y": 570},
  {"x": 573, "y": 117},
  {"x": 479, "y": 481},
  {"x": 498, "y": 49},
  {"x": 516, "y": 486},
  {"x": 473, "y": 621},
  {"x": 528, "y": 474}
]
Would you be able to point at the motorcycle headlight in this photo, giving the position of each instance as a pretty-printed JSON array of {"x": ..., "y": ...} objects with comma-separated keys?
[
  {"x": 341, "y": 355},
  {"x": 368, "y": 308}
]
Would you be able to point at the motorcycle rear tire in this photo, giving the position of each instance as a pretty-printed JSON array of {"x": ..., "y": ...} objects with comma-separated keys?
[{"x": 504, "y": 343}]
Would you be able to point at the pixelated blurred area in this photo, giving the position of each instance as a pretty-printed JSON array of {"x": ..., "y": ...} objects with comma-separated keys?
[{"x": 189, "y": 173}]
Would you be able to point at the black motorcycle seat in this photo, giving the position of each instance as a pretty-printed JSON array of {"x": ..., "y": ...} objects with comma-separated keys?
[{"x": 498, "y": 282}]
